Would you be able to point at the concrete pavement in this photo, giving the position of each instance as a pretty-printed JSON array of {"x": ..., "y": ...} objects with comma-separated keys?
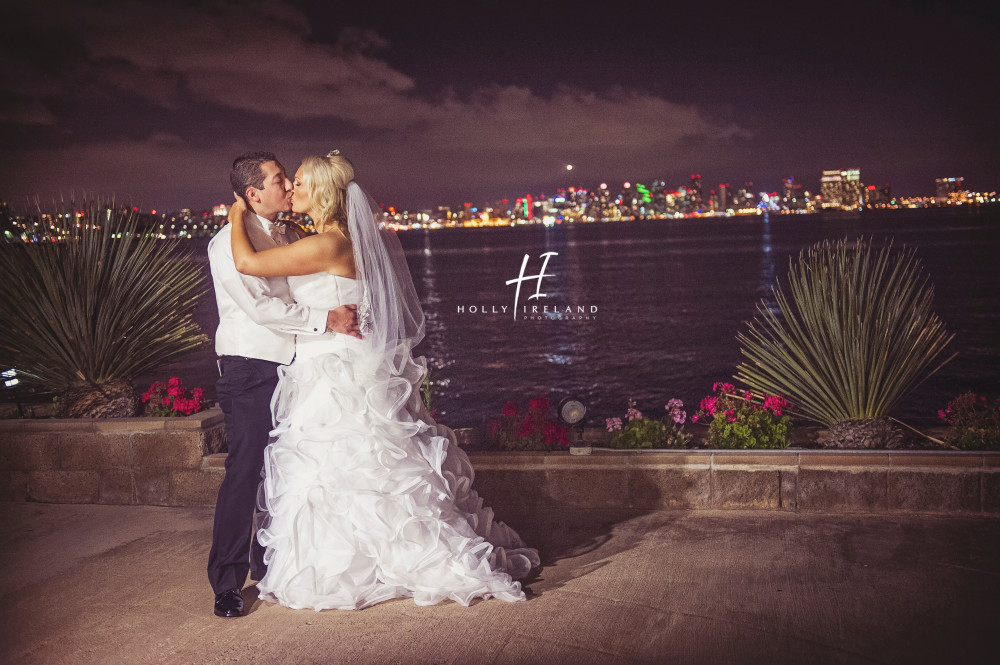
[{"x": 117, "y": 584}]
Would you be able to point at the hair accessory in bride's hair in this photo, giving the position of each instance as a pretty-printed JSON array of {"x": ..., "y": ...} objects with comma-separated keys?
[{"x": 333, "y": 153}]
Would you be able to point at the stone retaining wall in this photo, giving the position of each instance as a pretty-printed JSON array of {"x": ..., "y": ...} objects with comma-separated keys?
[
  {"x": 793, "y": 480},
  {"x": 152, "y": 461},
  {"x": 178, "y": 461}
]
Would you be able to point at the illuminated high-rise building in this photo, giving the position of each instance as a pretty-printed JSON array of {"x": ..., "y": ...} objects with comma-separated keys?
[
  {"x": 723, "y": 200},
  {"x": 791, "y": 195},
  {"x": 841, "y": 188},
  {"x": 878, "y": 196},
  {"x": 659, "y": 193},
  {"x": 694, "y": 190},
  {"x": 830, "y": 189},
  {"x": 745, "y": 196},
  {"x": 853, "y": 197},
  {"x": 947, "y": 189}
]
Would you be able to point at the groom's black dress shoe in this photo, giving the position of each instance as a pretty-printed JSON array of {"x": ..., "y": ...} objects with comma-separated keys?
[{"x": 229, "y": 603}]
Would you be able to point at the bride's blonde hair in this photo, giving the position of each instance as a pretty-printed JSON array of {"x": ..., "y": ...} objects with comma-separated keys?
[{"x": 326, "y": 178}]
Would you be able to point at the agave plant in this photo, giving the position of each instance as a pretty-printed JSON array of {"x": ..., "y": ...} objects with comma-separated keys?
[
  {"x": 854, "y": 334},
  {"x": 86, "y": 313}
]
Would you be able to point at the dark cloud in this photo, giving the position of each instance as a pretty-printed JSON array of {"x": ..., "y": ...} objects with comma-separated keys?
[
  {"x": 260, "y": 63},
  {"x": 438, "y": 107}
]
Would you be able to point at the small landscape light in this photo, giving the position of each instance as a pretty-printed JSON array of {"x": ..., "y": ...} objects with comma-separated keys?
[{"x": 572, "y": 411}]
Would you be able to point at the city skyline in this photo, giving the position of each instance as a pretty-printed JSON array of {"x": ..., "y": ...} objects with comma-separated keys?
[
  {"x": 843, "y": 191},
  {"x": 152, "y": 101}
]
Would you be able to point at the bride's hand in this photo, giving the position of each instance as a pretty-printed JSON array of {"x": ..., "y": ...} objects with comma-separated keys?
[{"x": 237, "y": 210}]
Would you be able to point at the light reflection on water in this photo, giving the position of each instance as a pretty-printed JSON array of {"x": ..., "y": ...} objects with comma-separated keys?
[{"x": 671, "y": 297}]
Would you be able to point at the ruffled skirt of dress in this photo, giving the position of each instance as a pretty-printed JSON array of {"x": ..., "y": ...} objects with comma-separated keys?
[{"x": 365, "y": 498}]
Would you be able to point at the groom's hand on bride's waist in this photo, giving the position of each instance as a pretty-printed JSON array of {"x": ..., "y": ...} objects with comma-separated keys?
[{"x": 344, "y": 320}]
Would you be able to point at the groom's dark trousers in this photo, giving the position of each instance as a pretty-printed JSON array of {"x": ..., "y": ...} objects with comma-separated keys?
[{"x": 245, "y": 389}]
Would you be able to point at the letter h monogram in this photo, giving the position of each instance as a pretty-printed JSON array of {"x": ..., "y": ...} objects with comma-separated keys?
[{"x": 538, "y": 288}]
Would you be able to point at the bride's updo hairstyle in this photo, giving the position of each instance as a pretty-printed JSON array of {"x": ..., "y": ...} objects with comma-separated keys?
[{"x": 326, "y": 178}]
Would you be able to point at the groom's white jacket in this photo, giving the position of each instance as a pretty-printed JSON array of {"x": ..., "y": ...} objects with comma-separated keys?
[{"x": 257, "y": 316}]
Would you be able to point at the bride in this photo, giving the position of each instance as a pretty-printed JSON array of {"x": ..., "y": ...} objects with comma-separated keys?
[{"x": 366, "y": 497}]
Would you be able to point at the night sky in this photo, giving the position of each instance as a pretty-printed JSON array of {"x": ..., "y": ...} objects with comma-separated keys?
[{"x": 440, "y": 103}]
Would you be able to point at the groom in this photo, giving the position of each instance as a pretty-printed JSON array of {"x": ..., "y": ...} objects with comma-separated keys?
[{"x": 258, "y": 322}]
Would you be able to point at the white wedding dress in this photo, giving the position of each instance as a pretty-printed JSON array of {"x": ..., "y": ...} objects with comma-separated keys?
[{"x": 365, "y": 497}]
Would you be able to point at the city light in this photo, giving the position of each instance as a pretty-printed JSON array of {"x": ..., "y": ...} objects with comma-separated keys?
[{"x": 841, "y": 192}]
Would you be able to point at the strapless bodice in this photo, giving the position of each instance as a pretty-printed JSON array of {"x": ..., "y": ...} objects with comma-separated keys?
[{"x": 324, "y": 291}]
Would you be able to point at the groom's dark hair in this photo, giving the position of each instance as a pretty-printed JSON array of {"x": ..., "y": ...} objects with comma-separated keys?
[{"x": 247, "y": 172}]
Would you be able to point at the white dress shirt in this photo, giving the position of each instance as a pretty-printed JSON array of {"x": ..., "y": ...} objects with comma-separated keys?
[{"x": 257, "y": 316}]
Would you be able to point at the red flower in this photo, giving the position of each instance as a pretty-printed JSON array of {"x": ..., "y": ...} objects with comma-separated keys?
[
  {"x": 510, "y": 409},
  {"x": 525, "y": 429},
  {"x": 539, "y": 403},
  {"x": 556, "y": 435}
]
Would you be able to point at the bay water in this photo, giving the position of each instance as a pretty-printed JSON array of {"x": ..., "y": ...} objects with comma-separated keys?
[{"x": 650, "y": 309}]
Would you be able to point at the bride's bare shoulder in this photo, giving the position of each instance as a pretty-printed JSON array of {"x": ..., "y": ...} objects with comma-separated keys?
[
  {"x": 338, "y": 248},
  {"x": 331, "y": 240}
]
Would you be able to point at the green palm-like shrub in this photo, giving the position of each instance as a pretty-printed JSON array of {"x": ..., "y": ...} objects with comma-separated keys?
[
  {"x": 85, "y": 314},
  {"x": 852, "y": 336}
]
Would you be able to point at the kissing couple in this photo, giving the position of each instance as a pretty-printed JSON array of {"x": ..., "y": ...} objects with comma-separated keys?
[{"x": 341, "y": 491}]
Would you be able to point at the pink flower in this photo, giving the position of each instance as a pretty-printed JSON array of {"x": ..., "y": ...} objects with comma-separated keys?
[
  {"x": 197, "y": 393},
  {"x": 633, "y": 414},
  {"x": 776, "y": 404},
  {"x": 676, "y": 412},
  {"x": 166, "y": 400},
  {"x": 694, "y": 418},
  {"x": 708, "y": 404},
  {"x": 613, "y": 424},
  {"x": 174, "y": 381}
]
